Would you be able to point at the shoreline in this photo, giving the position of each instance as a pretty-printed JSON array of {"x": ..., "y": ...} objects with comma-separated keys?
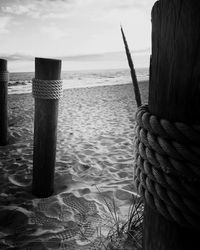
[{"x": 142, "y": 82}]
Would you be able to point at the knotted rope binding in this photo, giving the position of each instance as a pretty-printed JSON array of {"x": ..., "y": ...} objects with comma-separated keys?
[
  {"x": 167, "y": 170},
  {"x": 4, "y": 76},
  {"x": 47, "y": 89}
]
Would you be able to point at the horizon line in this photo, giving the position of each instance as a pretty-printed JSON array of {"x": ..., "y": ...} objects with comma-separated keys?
[
  {"x": 100, "y": 69},
  {"x": 87, "y": 56}
]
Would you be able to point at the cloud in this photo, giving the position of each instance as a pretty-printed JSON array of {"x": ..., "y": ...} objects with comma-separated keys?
[
  {"x": 62, "y": 27},
  {"x": 17, "y": 57},
  {"x": 61, "y": 9},
  {"x": 53, "y": 32},
  {"x": 39, "y": 9},
  {"x": 17, "y": 9},
  {"x": 128, "y": 4},
  {"x": 4, "y": 21},
  {"x": 107, "y": 56},
  {"x": 115, "y": 4}
]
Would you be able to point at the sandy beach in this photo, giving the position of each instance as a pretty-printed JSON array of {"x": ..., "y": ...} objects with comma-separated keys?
[{"x": 94, "y": 162}]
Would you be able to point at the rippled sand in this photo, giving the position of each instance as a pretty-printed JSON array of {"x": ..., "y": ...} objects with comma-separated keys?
[{"x": 94, "y": 164}]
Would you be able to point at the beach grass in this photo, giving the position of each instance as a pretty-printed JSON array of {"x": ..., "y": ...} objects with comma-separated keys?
[{"x": 123, "y": 234}]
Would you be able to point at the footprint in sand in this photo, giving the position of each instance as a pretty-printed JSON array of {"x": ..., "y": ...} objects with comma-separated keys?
[
  {"x": 84, "y": 191},
  {"x": 12, "y": 220},
  {"x": 123, "y": 195},
  {"x": 20, "y": 180}
]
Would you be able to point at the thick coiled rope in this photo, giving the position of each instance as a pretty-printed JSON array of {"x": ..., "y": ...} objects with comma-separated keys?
[
  {"x": 167, "y": 170},
  {"x": 47, "y": 89},
  {"x": 4, "y": 76}
]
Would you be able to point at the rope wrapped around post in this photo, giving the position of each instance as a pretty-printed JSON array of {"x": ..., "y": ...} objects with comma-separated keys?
[
  {"x": 4, "y": 76},
  {"x": 47, "y": 89},
  {"x": 167, "y": 171}
]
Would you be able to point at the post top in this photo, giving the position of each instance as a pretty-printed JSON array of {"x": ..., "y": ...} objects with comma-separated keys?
[
  {"x": 3, "y": 65},
  {"x": 47, "y": 69},
  {"x": 46, "y": 59}
]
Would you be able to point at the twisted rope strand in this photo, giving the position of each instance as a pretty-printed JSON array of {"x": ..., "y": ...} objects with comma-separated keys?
[
  {"x": 167, "y": 170},
  {"x": 170, "y": 213},
  {"x": 172, "y": 187},
  {"x": 167, "y": 164},
  {"x": 176, "y": 131},
  {"x": 47, "y": 89},
  {"x": 165, "y": 147},
  {"x": 149, "y": 190}
]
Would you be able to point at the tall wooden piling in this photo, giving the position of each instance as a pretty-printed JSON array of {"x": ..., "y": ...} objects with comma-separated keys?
[
  {"x": 3, "y": 102},
  {"x": 45, "y": 130},
  {"x": 174, "y": 94}
]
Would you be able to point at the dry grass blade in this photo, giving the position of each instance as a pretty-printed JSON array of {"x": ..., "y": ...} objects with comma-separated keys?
[
  {"x": 113, "y": 214},
  {"x": 122, "y": 235}
]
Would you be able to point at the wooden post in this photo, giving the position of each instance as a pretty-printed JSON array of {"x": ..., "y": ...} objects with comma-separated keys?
[
  {"x": 174, "y": 94},
  {"x": 3, "y": 103},
  {"x": 45, "y": 131}
]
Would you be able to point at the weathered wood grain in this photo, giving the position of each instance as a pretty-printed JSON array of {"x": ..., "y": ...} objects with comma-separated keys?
[
  {"x": 174, "y": 94},
  {"x": 3, "y": 106},
  {"x": 45, "y": 131}
]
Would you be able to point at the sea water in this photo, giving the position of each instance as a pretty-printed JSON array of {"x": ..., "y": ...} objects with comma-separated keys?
[{"x": 20, "y": 82}]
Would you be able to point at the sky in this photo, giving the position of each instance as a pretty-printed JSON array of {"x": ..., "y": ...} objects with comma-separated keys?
[{"x": 83, "y": 33}]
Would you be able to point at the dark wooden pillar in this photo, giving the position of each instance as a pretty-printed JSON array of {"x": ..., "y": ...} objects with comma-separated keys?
[
  {"x": 45, "y": 130},
  {"x": 174, "y": 94},
  {"x": 3, "y": 102}
]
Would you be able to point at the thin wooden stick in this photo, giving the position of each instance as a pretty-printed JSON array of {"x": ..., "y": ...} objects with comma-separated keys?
[{"x": 132, "y": 70}]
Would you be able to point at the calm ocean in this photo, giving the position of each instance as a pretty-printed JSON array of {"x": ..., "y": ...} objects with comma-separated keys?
[{"x": 21, "y": 82}]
